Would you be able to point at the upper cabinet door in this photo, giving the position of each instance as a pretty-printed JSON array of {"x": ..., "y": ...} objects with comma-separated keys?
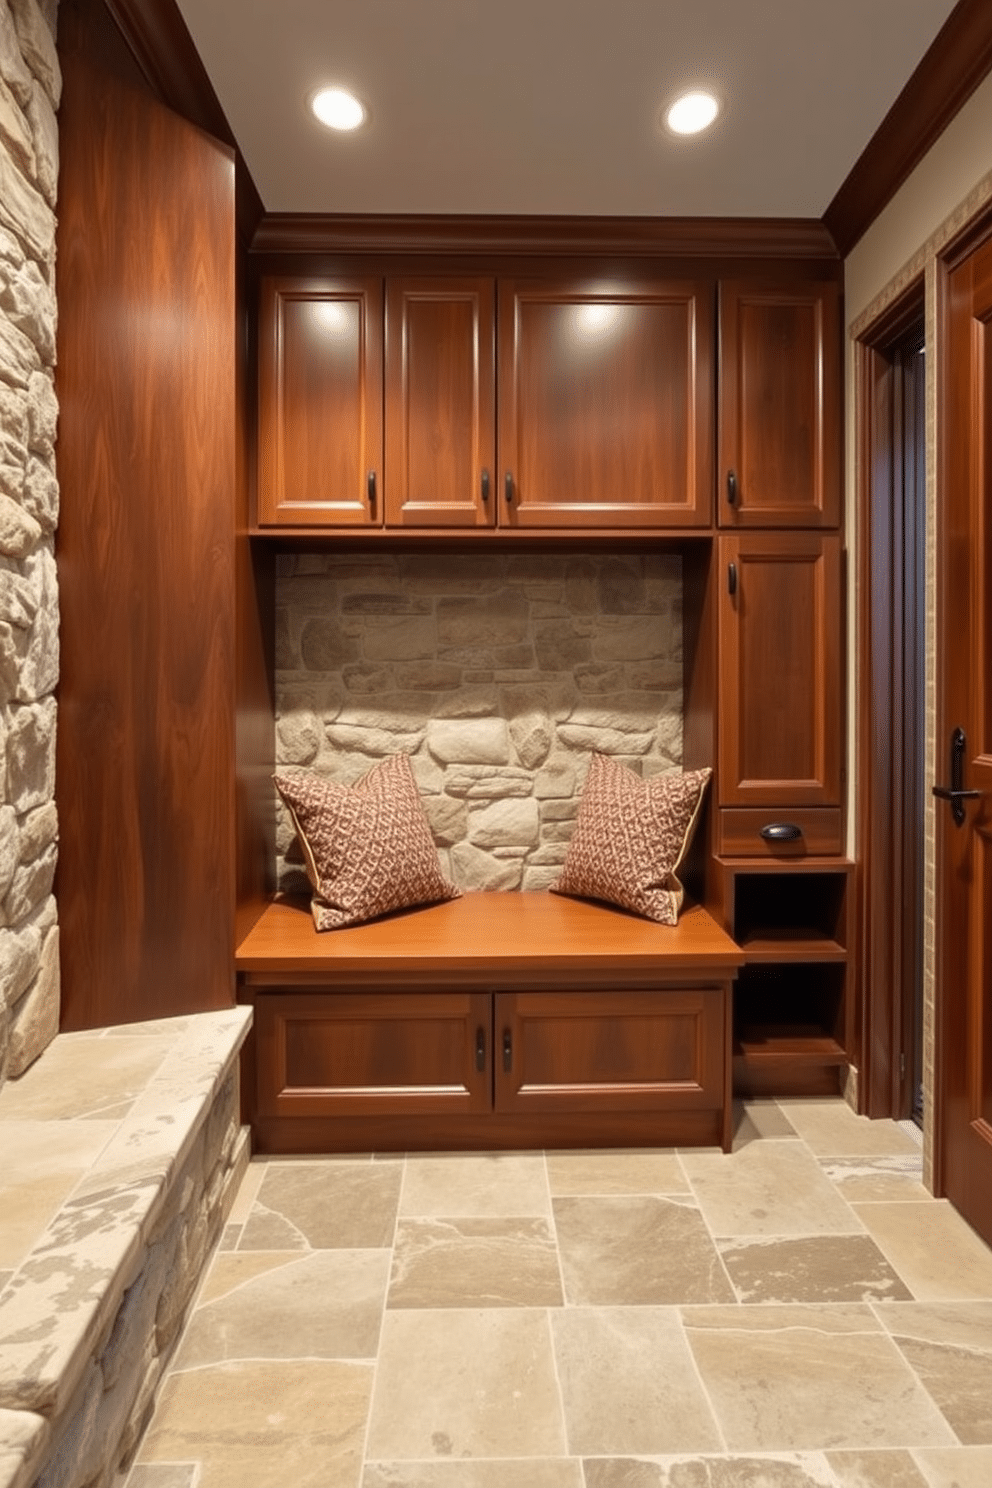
[
  {"x": 440, "y": 403},
  {"x": 605, "y": 404},
  {"x": 320, "y": 402},
  {"x": 779, "y": 461}
]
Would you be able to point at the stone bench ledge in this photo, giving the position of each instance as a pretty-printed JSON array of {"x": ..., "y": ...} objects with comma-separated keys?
[{"x": 107, "y": 1253}]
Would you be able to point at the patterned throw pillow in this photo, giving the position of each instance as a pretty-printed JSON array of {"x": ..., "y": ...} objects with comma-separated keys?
[
  {"x": 630, "y": 838},
  {"x": 368, "y": 846}
]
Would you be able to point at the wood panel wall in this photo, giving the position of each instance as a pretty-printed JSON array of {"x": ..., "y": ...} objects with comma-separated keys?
[{"x": 146, "y": 545}]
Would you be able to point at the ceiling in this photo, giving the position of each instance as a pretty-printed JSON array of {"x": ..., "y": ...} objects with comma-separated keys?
[{"x": 547, "y": 107}]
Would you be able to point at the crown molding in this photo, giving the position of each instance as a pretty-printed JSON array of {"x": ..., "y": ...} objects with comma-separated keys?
[{"x": 958, "y": 60}]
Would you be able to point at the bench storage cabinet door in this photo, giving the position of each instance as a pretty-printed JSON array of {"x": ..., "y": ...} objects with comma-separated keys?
[
  {"x": 350, "y": 1054},
  {"x": 610, "y": 1051}
]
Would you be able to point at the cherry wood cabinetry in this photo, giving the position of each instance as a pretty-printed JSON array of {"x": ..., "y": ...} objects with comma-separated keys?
[
  {"x": 779, "y": 429},
  {"x": 606, "y": 405},
  {"x": 440, "y": 407},
  {"x": 320, "y": 402},
  {"x": 780, "y": 713}
]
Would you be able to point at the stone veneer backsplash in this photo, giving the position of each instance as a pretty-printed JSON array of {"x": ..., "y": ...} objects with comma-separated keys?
[
  {"x": 30, "y": 88},
  {"x": 497, "y": 673}
]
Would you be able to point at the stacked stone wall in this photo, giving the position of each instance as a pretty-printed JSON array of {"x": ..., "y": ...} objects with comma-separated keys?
[
  {"x": 497, "y": 673},
  {"x": 30, "y": 86}
]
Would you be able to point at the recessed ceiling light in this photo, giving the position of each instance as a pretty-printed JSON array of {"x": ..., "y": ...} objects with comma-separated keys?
[
  {"x": 692, "y": 113},
  {"x": 337, "y": 109}
]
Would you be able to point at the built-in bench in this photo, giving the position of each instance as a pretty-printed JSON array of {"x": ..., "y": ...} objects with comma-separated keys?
[
  {"x": 494, "y": 1020},
  {"x": 122, "y": 1150}
]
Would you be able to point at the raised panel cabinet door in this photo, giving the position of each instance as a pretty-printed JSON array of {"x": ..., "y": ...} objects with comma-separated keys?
[
  {"x": 440, "y": 403},
  {"x": 320, "y": 402},
  {"x": 780, "y": 703},
  {"x": 612, "y": 1050},
  {"x": 333, "y": 1053},
  {"x": 606, "y": 398},
  {"x": 780, "y": 400}
]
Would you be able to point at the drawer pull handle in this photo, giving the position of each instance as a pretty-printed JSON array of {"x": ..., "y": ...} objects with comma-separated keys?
[
  {"x": 781, "y": 832},
  {"x": 485, "y": 485},
  {"x": 508, "y": 486},
  {"x": 731, "y": 488},
  {"x": 507, "y": 1050},
  {"x": 370, "y": 485},
  {"x": 731, "y": 578},
  {"x": 480, "y": 1049}
]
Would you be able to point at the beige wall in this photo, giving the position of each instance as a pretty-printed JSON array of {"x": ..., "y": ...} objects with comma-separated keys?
[{"x": 949, "y": 187}]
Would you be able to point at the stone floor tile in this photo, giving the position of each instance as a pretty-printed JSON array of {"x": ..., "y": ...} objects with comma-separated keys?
[
  {"x": 609, "y": 1172},
  {"x": 4, "y": 1278},
  {"x": 268, "y": 1424},
  {"x": 957, "y": 1467},
  {"x": 473, "y": 1383},
  {"x": 950, "y": 1348},
  {"x": 327, "y": 1206},
  {"x": 163, "y": 1475},
  {"x": 71, "y": 1082},
  {"x": 474, "y": 1263},
  {"x": 42, "y": 1163},
  {"x": 812, "y": 1268},
  {"x": 323, "y": 1305},
  {"x": 23, "y": 1440},
  {"x": 831, "y": 1129},
  {"x": 247, "y": 1191},
  {"x": 527, "y": 1472},
  {"x": 458, "y": 1185},
  {"x": 938, "y": 1255},
  {"x": 891, "y": 1178},
  {"x": 229, "y": 1270},
  {"x": 756, "y": 1120},
  {"x": 792, "y": 1470},
  {"x": 628, "y": 1383},
  {"x": 767, "y": 1188},
  {"x": 637, "y": 1251},
  {"x": 894, "y": 1469},
  {"x": 809, "y": 1378}
]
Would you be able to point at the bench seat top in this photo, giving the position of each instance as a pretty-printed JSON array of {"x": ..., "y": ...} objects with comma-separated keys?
[{"x": 488, "y": 935}]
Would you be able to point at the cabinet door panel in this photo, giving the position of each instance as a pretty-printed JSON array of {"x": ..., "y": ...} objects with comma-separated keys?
[
  {"x": 353, "y": 1054},
  {"x": 779, "y": 405},
  {"x": 634, "y": 1051},
  {"x": 606, "y": 405},
  {"x": 780, "y": 670},
  {"x": 320, "y": 402},
  {"x": 440, "y": 402}
]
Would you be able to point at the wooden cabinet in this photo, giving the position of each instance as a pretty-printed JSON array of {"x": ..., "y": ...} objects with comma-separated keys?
[
  {"x": 779, "y": 689},
  {"x": 440, "y": 403},
  {"x": 779, "y": 425},
  {"x": 606, "y": 405},
  {"x": 320, "y": 402},
  {"x": 377, "y": 403}
]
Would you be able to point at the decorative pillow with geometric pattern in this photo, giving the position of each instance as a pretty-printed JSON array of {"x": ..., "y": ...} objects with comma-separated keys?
[
  {"x": 368, "y": 846},
  {"x": 631, "y": 836}
]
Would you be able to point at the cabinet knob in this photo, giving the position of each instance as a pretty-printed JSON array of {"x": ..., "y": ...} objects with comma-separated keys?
[
  {"x": 507, "y": 1050},
  {"x": 731, "y": 488},
  {"x": 480, "y": 1048},
  {"x": 485, "y": 485},
  {"x": 508, "y": 486},
  {"x": 370, "y": 483},
  {"x": 781, "y": 832}
]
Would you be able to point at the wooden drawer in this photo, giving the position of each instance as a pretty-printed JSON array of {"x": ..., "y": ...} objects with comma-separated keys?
[{"x": 739, "y": 831}]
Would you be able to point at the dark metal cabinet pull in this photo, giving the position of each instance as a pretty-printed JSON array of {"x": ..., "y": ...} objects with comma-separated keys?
[
  {"x": 485, "y": 485},
  {"x": 731, "y": 488},
  {"x": 955, "y": 792},
  {"x": 731, "y": 578},
  {"x": 781, "y": 832},
  {"x": 508, "y": 486},
  {"x": 480, "y": 1048},
  {"x": 507, "y": 1050},
  {"x": 371, "y": 487}
]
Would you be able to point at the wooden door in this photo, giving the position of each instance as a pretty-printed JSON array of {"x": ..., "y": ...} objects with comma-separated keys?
[
  {"x": 964, "y": 825},
  {"x": 780, "y": 704},
  {"x": 612, "y": 1050},
  {"x": 780, "y": 384},
  {"x": 440, "y": 403},
  {"x": 320, "y": 402},
  {"x": 605, "y": 405}
]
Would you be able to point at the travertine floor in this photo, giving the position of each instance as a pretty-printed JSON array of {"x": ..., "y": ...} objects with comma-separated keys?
[{"x": 798, "y": 1314}]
